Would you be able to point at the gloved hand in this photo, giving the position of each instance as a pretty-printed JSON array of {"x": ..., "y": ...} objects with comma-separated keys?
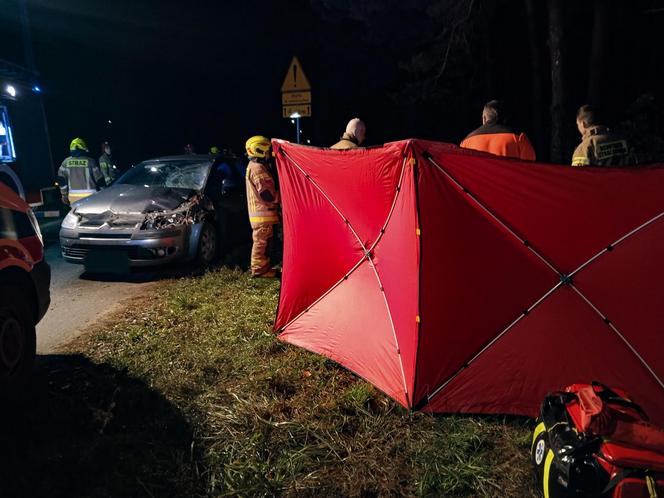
[{"x": 65, "y": 200}]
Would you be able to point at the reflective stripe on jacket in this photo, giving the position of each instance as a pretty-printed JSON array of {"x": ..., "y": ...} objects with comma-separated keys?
[
  {"x": 500, "y": 140},
  {"x": 79, "y": 177},
  {"x": 600, "y": 147},
  {"x": 260, "y": 182}
]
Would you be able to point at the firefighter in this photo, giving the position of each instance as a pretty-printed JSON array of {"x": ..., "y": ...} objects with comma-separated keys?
[
  {"x": 262, "y": 203},
  {"x": 353, "y": 137},
  {"x": 79, "y": 175},
  {"x": 496, "y": 137},
  {"x": 106, "y": 165},
  {"x": 599, "y": 146}
]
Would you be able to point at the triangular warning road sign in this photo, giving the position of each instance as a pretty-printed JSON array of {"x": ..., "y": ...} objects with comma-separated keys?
[{"x": 295, "y": 80}]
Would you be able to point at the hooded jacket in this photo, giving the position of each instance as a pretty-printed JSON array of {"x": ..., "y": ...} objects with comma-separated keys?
[{"x": 349, "y": 140}]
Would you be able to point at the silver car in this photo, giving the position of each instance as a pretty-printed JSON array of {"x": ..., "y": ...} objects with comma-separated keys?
[{"x": 159, "y": 211}]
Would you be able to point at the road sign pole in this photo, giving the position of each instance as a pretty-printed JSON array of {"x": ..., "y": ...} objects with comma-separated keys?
[{"x": 297, "y": 129}]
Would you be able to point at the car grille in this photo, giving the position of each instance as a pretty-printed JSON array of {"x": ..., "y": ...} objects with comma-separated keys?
[
  {"x": 74, "y": 251},
  {"x": 133, "y": 253},
  {"x": 117, "y": 236}
]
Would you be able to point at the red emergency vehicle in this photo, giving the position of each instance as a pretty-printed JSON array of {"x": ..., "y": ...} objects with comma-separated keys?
[{"x": 24, "y": 287}]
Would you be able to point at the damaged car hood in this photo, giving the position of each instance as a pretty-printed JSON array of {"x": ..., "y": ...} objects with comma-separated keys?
[{"x": 133, "y": 199}]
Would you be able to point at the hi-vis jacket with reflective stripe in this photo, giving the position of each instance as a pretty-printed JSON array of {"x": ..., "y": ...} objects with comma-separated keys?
[
  {"x": 79, "y": 177},
  {"x": 262, "y": 195},
  {"x": 601, "y": 147}
]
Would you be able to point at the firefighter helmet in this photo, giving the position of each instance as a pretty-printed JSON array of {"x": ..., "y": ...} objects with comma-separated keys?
[
  {"x": 258, "y": 146},
  {"x": 78, "y": 144}
]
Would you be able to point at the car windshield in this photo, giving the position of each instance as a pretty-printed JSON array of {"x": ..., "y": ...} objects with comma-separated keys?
[{"x": 186, "y": 174}]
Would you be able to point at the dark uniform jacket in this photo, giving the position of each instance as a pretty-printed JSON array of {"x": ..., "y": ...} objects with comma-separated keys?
[
  {"x": 107, "y": 168},
  {"x": 500, "y": 140},
  {"x": 600, "y": 147}
]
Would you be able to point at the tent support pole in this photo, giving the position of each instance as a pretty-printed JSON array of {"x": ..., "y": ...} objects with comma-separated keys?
[
  {"x": 565, "y": 280},
  {"x": 606, "y": 320},
  {"x": 527, "y": 244},
  {"x": 490, "y": 343},
  {"x": 610, "y": 247}
]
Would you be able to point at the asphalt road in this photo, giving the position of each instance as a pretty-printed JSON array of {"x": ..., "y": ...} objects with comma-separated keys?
[{"x": 78, "y": 298}]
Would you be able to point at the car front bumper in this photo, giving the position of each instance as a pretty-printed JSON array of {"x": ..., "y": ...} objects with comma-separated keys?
[{"x": 141, "y": 248}]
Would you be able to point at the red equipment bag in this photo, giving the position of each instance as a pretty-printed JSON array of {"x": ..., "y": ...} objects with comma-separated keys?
[{"x": 594, "y": 441}]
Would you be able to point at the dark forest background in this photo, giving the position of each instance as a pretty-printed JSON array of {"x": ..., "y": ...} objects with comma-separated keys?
[{"x": 168, "y": 73}]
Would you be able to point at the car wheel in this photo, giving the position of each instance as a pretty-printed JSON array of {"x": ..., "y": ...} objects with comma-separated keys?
[
  {"x": 207, "y": 244},
  {"x": 17, "y": 339}
]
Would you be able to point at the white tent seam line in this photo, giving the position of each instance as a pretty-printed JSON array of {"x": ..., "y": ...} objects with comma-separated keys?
[
  {"x": 394, "y": 332},
  {"x": 313, "y": 182},
  {"x": 493, "y": 341},
  {"x": 500, "y": 222},
  {"x": 617, "y": 242},
  {"x": 619, "y": 334}
]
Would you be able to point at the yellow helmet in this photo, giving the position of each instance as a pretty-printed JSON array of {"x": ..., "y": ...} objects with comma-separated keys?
[
  {"x": 214, "y": 150},
  {"x": 78, "y": 144},
  {"x": 258, "y": 146}
]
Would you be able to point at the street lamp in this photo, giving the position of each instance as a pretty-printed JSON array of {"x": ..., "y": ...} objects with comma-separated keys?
[{"x": 296, "y": 116}]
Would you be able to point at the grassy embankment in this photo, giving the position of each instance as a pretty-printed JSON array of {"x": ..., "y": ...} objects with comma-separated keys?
[{"x": 204, "y": 400}]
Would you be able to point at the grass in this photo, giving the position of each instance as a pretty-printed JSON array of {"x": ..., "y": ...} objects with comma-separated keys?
[{"x": 227, "y": 410}]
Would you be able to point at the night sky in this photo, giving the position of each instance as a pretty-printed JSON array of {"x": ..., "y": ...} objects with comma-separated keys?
[{"x": 209, "y": 72}]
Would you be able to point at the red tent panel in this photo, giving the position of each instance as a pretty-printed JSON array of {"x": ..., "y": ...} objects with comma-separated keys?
[
  {"x": 363, "y": 342},
  {"x": 457, "y": 281},
  {"x": 308, "y": 213},
  {"x": 476, "y": 279},
  {"x": 626, "y": 286},
  {"x": 562, "y": 342},
  {"x": 567, "y": 214},
  {"x": 396, "y": 258}
]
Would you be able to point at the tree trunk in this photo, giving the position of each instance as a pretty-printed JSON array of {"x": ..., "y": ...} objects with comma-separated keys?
[
  {"x": 556, "y": 28},
  {"x": 537, "y": 101},
  {"x": 597, "y": 53}
]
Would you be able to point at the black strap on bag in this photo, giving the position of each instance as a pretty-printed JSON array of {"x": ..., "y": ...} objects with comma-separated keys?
[{"x": 608, "y": 395}]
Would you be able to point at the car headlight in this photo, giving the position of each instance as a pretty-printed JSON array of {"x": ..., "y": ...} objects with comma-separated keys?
[{"x": 70, "y": 221}]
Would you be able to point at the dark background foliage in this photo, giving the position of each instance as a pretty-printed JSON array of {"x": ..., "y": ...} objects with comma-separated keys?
[{"x": 209, "y": 72}]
